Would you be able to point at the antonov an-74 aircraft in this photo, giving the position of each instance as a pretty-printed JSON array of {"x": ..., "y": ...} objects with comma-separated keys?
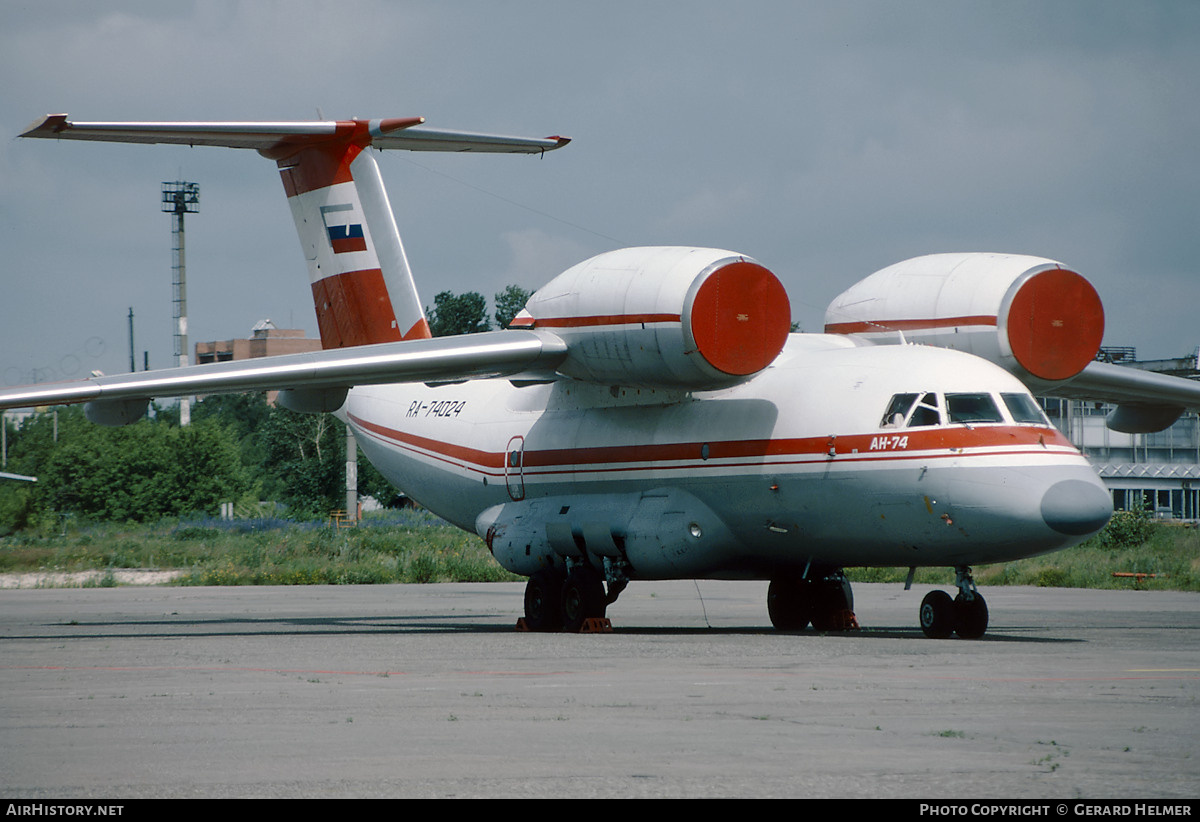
[{"x": 650, "y": 416}]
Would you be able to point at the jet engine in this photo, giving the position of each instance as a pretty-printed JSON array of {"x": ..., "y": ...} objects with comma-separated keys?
[
  {"x": 1029, "y": 315},
  {"x": 692, "y": 318}
]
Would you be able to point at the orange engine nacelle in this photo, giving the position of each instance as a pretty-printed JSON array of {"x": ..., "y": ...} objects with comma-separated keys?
[
  {"x": 1029, "y": 315},
  {"x": 690, "y": 318}
]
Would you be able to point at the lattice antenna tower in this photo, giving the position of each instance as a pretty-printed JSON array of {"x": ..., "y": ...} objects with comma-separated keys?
[{"x": 178, "y": 199}]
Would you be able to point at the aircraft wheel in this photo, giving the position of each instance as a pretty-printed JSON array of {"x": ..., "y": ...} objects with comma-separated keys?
[
  {"x": 970, "y": 617},
  {"x": 582, "y": 598},
  {"x": 543, "y": 593},
  {"x": 937, "y": 615},
  {"x": 834, "y": 597},
  {"x": 789, "y": 603}
]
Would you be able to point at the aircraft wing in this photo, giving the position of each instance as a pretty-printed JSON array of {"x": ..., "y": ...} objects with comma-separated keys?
[
  {"x": 276, "y": 139},
  {"x": 441, "y": 359},
  {"x": 1121, "y": 384},
  {"x": 1146, "y": 401}
]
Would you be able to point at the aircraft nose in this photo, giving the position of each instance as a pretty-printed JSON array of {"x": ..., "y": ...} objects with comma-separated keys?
[{"x": 1076, "y": 507}]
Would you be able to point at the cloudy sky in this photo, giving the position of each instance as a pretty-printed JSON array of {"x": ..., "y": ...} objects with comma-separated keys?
[{"x": 825, "y": 139}]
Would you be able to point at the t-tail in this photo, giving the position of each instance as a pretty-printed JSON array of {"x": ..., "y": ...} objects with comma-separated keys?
[{"x": 362, "y": 285}]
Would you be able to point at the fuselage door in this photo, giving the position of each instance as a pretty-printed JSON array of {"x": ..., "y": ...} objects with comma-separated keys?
[{"x": 514, "y": 468}]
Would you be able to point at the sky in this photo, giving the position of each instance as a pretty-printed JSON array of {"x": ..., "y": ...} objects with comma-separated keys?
[{"x": 825, "y": 139}]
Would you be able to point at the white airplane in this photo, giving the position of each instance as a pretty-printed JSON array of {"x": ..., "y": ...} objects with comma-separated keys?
[{"x": 651, "y": 416}]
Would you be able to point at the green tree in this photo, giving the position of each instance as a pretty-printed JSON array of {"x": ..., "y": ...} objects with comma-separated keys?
[
  {"x": 16, "y": 497},
  {"x": 297, "y": 459},
  {"x": 1129, "y": 528},
  {"x": 243, "y": 415},
  {"x": 142, "y": 471},
  {"x": 458, "y": 314},
  {"x": 509, "y": 303},
  {"x": 304, "y": 464},
  {"x": 237, "y": 448}
]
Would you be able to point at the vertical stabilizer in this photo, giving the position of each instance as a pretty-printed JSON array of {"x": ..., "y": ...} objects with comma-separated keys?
[{"x": 362, "y": 285}]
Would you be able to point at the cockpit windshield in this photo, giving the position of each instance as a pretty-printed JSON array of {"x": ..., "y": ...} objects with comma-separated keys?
[
  {"x": 925, "y": 409},
  {"x": 1024, "y": 409},
  {"x": 897, "y": 411},
  {"x": 915, "y": 409},
  {"x": 972, "y": 408},
  {"x": 926, "y": 412}
]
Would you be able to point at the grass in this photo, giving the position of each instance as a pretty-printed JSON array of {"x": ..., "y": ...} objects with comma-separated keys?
[
  {"x": 397, "y": 546},
  {"x": 1172, "y": 554},
  {"x": 415, "y": 546}
]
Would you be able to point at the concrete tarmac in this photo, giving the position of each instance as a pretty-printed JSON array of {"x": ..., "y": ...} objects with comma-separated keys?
[{"x": 427, "y": 691}]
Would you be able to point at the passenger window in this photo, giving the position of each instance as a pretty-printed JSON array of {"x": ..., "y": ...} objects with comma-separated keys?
[
  {"x": 927, "y": 412},
  {"x": 967, "y": 408},
  {"x": 897, "y": 410},
  {"x": 1024, "y": 409}
]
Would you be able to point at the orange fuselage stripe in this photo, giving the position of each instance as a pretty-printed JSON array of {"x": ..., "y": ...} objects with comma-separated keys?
[{"x": 855, "y": 446}]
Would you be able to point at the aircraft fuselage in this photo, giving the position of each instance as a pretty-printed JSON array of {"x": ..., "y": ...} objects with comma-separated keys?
[{"x": 796, "y": 466}]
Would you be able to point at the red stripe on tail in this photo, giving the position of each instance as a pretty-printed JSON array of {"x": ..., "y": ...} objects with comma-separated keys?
[{"x": 354, "y": 309}]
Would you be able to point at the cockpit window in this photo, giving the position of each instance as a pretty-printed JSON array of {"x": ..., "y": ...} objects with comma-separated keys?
[
  {"x": 922, "y": 410},
  {"x": 1024, "y": 409},
  {"x": 927, "y": 412},
  {"x": 968, "y": 408},
  {"x": 897, "y": 410}
]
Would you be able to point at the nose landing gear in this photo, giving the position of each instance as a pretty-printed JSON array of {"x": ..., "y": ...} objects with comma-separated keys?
[{"x": 965, "y": 615}]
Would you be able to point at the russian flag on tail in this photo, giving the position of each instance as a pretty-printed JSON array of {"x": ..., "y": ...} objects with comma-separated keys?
[{"x": 344, "y": 228}]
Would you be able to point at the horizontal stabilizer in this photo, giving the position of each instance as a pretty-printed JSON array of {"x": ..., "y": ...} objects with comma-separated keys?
[
  {"x": 423, "y": 139},
  {"x": 280, "y": 138}
]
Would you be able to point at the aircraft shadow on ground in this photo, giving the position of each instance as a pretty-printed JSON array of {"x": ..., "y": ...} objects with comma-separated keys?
[{"x": 454, "y": 624}]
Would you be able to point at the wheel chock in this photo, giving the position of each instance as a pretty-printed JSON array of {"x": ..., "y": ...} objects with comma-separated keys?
[
  {"x": 593, "y": 625},
  {"x": 846, "y": 621}
]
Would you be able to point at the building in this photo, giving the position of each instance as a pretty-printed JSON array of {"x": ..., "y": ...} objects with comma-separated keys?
[
  {"x": 265, "y": 341},
  {"x": 1162, "y": 469}
]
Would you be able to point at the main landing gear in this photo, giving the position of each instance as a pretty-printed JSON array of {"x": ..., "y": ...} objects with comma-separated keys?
[
  {"x": 565, "y": 601},
  {"x": 965, "y": 615},
  {"x": 825, "y": 601}
]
